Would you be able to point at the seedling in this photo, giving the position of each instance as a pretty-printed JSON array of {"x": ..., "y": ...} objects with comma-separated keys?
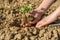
[
  {"x": 25, "y": 17},
  {"x": 26, "y": 9}
]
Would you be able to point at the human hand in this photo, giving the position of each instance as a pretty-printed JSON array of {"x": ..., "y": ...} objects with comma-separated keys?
[{"x": 37, "y": 15}]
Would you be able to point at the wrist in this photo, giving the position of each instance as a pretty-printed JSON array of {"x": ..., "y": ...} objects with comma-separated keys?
[{"x": 45, "y": 4}]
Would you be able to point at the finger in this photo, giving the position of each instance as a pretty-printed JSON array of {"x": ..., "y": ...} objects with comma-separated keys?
[
  {"x": 27, "y": 25},
  {"x": 41, "y": 23},
  {"x": 35, "y": 21}
]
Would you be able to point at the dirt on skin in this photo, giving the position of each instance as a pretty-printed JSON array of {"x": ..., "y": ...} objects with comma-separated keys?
[{"x": 10, "y": 20}]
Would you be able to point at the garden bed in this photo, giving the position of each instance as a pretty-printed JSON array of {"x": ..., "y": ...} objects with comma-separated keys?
[{"x": 10, "y": 20}]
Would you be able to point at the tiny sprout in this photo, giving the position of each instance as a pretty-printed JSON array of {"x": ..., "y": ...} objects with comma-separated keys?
[{"x": 26, "y": 9}]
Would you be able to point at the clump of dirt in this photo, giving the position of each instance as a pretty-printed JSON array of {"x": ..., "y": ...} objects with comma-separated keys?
[{"x": 11, "y": 17}]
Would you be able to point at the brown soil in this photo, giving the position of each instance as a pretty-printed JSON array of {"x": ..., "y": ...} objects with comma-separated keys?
[{"x": 10, "y": 20}]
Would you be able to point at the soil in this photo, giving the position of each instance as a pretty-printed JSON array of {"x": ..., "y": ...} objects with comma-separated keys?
[{"x": 10, "y": 20}]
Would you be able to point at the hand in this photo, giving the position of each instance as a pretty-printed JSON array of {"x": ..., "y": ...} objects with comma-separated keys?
[
  {"x": 47, "y": 20},
  {"x": 37, "y": 15}
]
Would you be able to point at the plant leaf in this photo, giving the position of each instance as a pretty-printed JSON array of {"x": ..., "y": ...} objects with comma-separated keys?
[{"x": 22, "y": 8}]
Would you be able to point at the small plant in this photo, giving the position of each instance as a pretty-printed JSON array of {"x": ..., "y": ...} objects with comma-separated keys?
[
  {"x": 26, "y": 16},
  {"x": 26, "y": 9}
]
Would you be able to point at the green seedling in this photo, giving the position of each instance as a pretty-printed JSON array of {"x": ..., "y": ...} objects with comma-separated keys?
[{"x": 26, "y": 9}]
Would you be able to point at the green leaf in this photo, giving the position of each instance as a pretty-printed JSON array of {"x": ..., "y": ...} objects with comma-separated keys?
[
  {"x": 22, "y": 8},
  {"x": 30, "y": 7}
]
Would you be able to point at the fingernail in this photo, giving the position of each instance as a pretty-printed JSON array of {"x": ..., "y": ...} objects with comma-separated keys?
[
  {"x": 38, "y": 26},
  {"x": 21, "y": 25},
  {"x": 26, "y": 24}
]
